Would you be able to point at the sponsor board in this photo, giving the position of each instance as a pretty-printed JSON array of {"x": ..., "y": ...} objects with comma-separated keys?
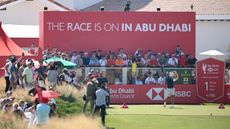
[
  {"x": 111, "y": 30},
  {"x": 151, "y": 94},
  {"x": 210, "y": 79}
]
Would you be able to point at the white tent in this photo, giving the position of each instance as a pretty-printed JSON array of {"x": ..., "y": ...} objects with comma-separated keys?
[{"x": 212, "y": 53}]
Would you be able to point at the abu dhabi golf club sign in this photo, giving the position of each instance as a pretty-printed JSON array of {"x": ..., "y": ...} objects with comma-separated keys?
[{"x": 210, "y": 79}]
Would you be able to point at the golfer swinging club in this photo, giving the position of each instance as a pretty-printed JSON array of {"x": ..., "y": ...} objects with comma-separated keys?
[{"x": 170, "y": 92}]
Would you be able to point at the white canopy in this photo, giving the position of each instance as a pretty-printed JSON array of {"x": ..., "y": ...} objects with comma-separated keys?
[{"x": 212, "y": 53}]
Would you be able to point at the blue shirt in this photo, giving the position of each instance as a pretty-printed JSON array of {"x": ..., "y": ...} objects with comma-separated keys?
[
  {"x": 101, "y": 97},
  {"x": 13, "y": 69},
  {"x": 42, "y": 113},
  {"x": 93, "y": 61}
]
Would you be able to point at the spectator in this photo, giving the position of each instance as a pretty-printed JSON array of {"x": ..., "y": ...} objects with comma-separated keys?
[
  {"x": 4, "y": 101},
  {"x": 93, "y": 61},
  {"x": 99, "y": 54},
  {"x": 101, "y": 94},
  {"x": 102, "y": 80},
  {"x": 162, "y": 60},
  {"x": 182, "y": 61},
  {"x": 22, "y": 105},
  {"x": 79, "y": 61},
  {"x": 178, "y": 50},
  {"x": 153, "y": 61},
  {"x": 42, "y": 112},
  {"x": 13, "y": 74},
  {"x": 138, "y": 81},
  {"x": 74, "y": 57},
  {"x": 138, "y": 53},
  {"x": 41, "y": 74},
  {"x": 161, "y": 79},
  {"x": 149, "y": 54},
  {"x": 17, "y": 112},
  {"x": 150, "y": 80},
  {"x": 191, "y": 61},
  {"x": 66, "y": 76},
  {"x": 52, "y": 75},
  {"x": 86, "y": 59},
  {"x": 173, "y": 61},
  {"x": 28, "y": 75},
  {"x": 20, "y": 73},
  {"x": 32, "y": 49},
  {"x": 119, "y": 61},
  {"x": 103, "y": 61},
  {"x": 111, "y": 61},
  {"x": 90, "y": 94},
  {"x": 143, "y": 61},
  {"x": 121, "y": 53},
  {"x": 7, "y": 74}
]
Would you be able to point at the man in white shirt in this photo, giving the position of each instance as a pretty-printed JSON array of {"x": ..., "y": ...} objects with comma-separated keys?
[
  {"x": 150, "y": 80},
  {"x": 103, "y": 61},
  {"x": 173, "y": 61},
  {"x": 101, "y": 94},
  {"x": 161, "y": 79}
]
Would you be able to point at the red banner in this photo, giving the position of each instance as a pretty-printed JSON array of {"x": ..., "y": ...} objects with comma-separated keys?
[
  {"x": 210, "y": 79},
  {"x": 143, "y": 94},
  {"x": 113, "y": 30}
]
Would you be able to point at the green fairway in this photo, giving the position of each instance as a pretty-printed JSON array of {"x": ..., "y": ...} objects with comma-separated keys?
[{"x": 179, "y": 117}]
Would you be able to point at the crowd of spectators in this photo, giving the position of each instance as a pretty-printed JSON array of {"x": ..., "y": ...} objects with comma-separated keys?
[
  {"x": 120, "y": 58},
  {"x": 100, "y": 58},
  {"x": 21, "y": 73}
]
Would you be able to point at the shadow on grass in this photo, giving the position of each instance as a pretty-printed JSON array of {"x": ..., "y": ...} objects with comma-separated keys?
[
  {"x": 176, "y": 108},
  {"x": 110, "y": 128},
  {"x": 110, "y": 107},
  {"x": 69, "y": 98}
]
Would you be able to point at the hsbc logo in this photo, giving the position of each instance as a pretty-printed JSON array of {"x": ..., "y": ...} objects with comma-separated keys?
[{"x": 156, "y": 93}]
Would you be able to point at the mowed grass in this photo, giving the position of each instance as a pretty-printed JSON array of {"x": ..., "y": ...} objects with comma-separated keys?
[{"x": 157, "y": 117}]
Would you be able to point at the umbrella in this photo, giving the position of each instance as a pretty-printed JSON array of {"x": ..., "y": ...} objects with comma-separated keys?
[
  {"x": 212, "y": 53},
  {"x": 66, "y": 64},
  {"x": 48, "y": 94}
]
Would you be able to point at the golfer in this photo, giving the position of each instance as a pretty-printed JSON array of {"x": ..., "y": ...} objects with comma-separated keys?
[{"x": 170, "y": 92}]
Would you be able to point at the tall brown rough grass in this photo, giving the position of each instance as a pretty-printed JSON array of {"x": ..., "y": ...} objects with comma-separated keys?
[
  {"x": 2, "y": 85},
  {"x": 8, "y": 121},
  {"x": 19, "y": 93},
  {"x": 68, "y": 90},
  {"x": 76, "y": 122}
]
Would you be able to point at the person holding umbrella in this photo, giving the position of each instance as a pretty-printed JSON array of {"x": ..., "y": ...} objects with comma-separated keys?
[{"x": 43, "y": 109}]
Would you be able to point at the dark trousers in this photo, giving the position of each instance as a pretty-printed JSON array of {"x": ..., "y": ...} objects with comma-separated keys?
[
  {"x": 102, "y": 108},
  {"x": 7, "y": 84},
  {"x": 92, "y": 103}
]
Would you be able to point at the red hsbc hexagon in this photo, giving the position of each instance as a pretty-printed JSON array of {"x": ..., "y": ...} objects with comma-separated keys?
[{"x": 210, "y": 79}]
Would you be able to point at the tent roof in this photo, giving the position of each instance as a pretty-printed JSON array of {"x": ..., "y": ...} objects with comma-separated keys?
[
  {"x": 212, "y": 53},
  {"x": 8, "y": 46}
]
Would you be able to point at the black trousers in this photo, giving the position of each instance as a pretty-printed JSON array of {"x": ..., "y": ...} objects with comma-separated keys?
[
  {"x": 7, "y": 84},
  {"x": 102, "y": 108}
]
